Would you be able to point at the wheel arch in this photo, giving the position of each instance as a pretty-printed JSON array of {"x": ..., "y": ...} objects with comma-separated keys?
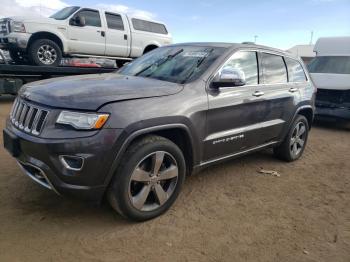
[
  {"x": 308, "y": 112},
  {"x": 149, "y": 48},
  {"x": 46, "y": 35},
  {"x": 177, "y": 133}
]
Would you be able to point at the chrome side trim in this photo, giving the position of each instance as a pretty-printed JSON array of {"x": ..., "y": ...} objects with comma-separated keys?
[
  {"x": 244, "y": 129},
  {"x": 238, "y": 154},
  {"x": 47, "y": 185}
]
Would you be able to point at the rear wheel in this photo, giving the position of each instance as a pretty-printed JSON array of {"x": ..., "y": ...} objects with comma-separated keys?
[
  {"x": 148, "y": 180},
  {"x": 45, "y": 52},
  {"x": 294, "y": 144},
  {"x": 17, "y": 56}
]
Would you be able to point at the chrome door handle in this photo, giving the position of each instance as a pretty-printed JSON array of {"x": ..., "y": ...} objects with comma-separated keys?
[
  {"x": 258, "y": 93},
  {"x": 293, "y": 89}
]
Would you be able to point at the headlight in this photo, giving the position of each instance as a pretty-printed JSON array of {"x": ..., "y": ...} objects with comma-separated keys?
[
  {"x": 17, "y": 27},
  {"x": 84, "y": 121}
]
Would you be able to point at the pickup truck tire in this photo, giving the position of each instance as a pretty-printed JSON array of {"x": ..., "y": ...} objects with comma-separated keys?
[
  {"x": 148, "y": 180},
  {"x": 294, "y": 144},
  {"x": 44, "y": 52},
  {"x": 17, "y": 56}
]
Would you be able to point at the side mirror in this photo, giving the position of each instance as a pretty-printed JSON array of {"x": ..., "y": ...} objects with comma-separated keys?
[
  {"x": 229, "y": 76},
  {"x": 78, "y": 21}
]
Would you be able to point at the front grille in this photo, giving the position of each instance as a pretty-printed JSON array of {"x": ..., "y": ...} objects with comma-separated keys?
[
  {"x": 333, "y": 96},
  {"x": 28, "y": 118}
]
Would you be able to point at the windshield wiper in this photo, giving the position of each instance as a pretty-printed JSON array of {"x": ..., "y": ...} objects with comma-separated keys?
[
  {"x": 197, "y": 65},
  {"x": 160, "y": 62}
]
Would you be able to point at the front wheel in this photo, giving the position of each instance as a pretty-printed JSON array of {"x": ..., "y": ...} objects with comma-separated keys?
[
  {"x": 294, "y": 144},
  {"x": 44, "y": 52},
  {"x": 148, "y": 180}
]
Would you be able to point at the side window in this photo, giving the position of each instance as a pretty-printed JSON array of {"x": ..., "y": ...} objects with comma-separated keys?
[
  {"x": 147, "y": 26},
  {"x": 92, "y": 17},
  {"x": 114, "y": 21},
  {"x": 273, "y": 69},
  {"x": 245, "y": 61},
  {"x": 295, "y": 70}
]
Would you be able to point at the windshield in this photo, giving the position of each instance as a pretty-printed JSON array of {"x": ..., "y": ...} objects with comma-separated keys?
[
  {"x": 330, "y": 65},
  {"x": 177, "y": 64},
  {"x": 65, "y": 13}
]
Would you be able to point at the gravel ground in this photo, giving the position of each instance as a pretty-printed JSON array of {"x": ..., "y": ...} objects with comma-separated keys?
[{"x": 228, "y": 212}]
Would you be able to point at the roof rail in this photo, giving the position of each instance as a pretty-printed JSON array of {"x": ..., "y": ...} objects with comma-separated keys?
[{"x": 248, "y": 43}]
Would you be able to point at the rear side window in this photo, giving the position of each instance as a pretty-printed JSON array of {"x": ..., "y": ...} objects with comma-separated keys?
[
  {"x": 245, "y": 61},
  {"x": 92, "y": 17},
  {"x": 114, "y": 21},
  {"x": 295, "y": 71},
  {"x": 273, "y": 69},
  {"x": 148, "y": 26}
]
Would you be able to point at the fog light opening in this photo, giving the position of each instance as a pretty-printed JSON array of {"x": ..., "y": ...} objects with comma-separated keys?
[{"x": 74, "y": 163}]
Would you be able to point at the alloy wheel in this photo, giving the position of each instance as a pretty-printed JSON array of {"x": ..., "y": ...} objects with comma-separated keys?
[
  {"x": 297, "y": 141},
  {"x": 153, "y": 181},
  {"x": 47, "y": 54}
]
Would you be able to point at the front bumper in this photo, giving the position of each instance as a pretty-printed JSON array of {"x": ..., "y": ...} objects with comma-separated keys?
[
  {"x": 40, "y": 160},
  {"x": 333, "y": 112},
  {"x": 14, "y": 41}
]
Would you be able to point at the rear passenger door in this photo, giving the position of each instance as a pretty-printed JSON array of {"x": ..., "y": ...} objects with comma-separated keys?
[
  {"x": 117, "y": 35},
  {"x": 280, "y": 96}
]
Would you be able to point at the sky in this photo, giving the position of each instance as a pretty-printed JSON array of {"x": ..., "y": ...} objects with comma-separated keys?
[{"x": 280, "y": 24}]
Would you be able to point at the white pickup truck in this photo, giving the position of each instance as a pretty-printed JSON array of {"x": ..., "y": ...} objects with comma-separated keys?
[{"x": 81, "y": 32}]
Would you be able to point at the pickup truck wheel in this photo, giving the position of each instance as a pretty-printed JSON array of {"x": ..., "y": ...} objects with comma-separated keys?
[
  {"x": 17, "y": 56},
  {"x": 294, "y": 144},
  {"x": 148, "y": 180},
  {"x": 45, "y": 52}
]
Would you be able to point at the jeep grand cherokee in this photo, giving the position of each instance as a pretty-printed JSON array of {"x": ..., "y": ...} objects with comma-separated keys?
[{"x": 134, "y": 135}]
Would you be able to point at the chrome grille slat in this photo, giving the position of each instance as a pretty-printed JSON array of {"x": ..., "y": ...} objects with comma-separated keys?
[
  {"x": 27, "y": 117},
  {"x": 18, "y": 113}
]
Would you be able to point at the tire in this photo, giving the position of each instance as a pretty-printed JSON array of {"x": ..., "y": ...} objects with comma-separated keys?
[
  {"x": 294, "y": 144},
  {"x": 44, "y": 52},
  {"x": 141, "y": 201},
  {"x": 17, "y": 56}
]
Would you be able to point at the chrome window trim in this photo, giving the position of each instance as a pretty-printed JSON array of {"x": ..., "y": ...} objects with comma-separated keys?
[{"x": 258, "y": 50}]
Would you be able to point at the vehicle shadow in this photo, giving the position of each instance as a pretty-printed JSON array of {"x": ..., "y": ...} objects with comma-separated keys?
[
  {"x": 7, "y": 98},
  {"x": 333, "y": 124},
  {"x": 46, "y": 205}
]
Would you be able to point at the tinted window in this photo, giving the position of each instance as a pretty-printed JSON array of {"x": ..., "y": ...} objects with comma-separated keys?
[
  {"x": 64, "y": 13},
  {"x": 247, "y": 63},
  {"x": 295, "y": 70},
  {"x": 330, "y": 65},
  {"x": 114, "y": 21},
  {"x": 274, "y": 69},
  {"x": 92, "y": 18},
  {"x": 147, "y": 26}
]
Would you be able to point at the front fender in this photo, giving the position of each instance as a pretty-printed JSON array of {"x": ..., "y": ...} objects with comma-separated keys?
[
  {"x": 134, "y": 131},
  {"x": 57, "y": 30}
]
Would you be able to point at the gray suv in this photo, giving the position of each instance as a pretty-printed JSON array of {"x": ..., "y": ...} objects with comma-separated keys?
[{"x": 134, "y": 135}]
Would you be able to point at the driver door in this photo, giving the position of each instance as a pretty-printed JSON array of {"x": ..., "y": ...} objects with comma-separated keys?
[
  {"x": 89, "y": 38},
  {"x": 236, "y": 113}
]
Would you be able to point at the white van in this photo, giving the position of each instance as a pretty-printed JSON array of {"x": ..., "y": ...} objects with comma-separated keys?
[{"x": 330, "y": 72}]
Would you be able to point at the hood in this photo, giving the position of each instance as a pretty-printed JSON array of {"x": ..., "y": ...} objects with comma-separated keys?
[
  {"x": 89, "y": 92},
  {"x": 35, "y": 19},
  {"x": 331, "y": 81}
]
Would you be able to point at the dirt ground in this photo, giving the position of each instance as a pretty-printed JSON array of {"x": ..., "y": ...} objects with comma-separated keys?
[{"x": 228, "y": 212}]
